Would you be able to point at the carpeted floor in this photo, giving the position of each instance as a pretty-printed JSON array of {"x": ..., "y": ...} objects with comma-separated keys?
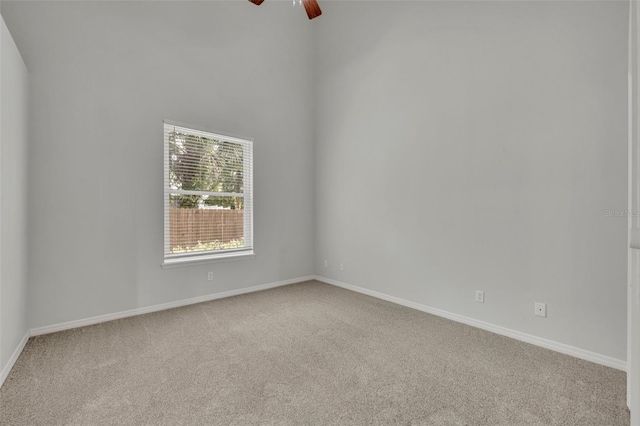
[{"x": 307, "y": 353}]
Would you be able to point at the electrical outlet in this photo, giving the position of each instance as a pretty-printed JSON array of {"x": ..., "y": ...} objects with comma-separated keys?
[
  {"x": 342, "y": 266},
  {"x": 326, "y": 263},
  {"x": 210, "y": 276},
  {"x": 479, "y": 296},
  {"x": 540, "y": 309}
]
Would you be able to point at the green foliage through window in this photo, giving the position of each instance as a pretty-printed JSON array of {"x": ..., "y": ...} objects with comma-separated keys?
[
  {"x": 213, "y": 245},
  {"x": 198, "y": 163}
]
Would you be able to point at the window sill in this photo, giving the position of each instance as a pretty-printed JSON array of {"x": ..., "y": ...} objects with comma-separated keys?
[{"x": 177, "y": 262}]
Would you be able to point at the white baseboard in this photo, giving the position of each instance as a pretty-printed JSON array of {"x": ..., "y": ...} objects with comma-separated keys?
[
  {"x": 14, "y": 357},
  {"x": 518, "y": 335},
  {"x": 146, "y": 310},
  {"x": 133, "y": 312},
  {"x": 538, "y": 341}
]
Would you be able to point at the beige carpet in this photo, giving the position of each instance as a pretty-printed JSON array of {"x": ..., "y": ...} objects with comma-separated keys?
[{"x": 302, "y": 354}]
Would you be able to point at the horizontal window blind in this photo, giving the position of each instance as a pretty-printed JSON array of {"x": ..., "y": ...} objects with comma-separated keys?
[{"x": 208, "y": 197}]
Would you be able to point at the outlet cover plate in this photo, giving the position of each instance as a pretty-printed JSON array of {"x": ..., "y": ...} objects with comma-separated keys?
[{"x": 541, "y": 309}]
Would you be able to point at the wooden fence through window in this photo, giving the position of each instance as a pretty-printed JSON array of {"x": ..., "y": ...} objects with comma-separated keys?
[{"x": 190, "y": 226}]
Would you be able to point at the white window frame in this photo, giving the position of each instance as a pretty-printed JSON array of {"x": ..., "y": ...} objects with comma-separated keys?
[{"x": 182, "y": 259}]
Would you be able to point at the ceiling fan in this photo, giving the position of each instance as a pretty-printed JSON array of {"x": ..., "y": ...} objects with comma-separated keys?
[{"x": 311, "y": 6}]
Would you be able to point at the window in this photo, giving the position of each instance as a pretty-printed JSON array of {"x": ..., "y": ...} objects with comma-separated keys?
[{"x": 208, "y": 204}]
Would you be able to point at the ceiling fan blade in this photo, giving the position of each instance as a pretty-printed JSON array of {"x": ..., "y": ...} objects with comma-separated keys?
[
  {"x": 256, "y": 2},
  {"x": 312, "y": 8}
]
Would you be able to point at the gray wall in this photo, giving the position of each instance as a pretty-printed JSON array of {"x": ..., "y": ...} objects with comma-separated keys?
[
  {"x": 13, "y": 198},
  {"x": 477, "y": 145},
  {"x": 458, "y": 146},
  {"x": 104, "y": 75}
]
